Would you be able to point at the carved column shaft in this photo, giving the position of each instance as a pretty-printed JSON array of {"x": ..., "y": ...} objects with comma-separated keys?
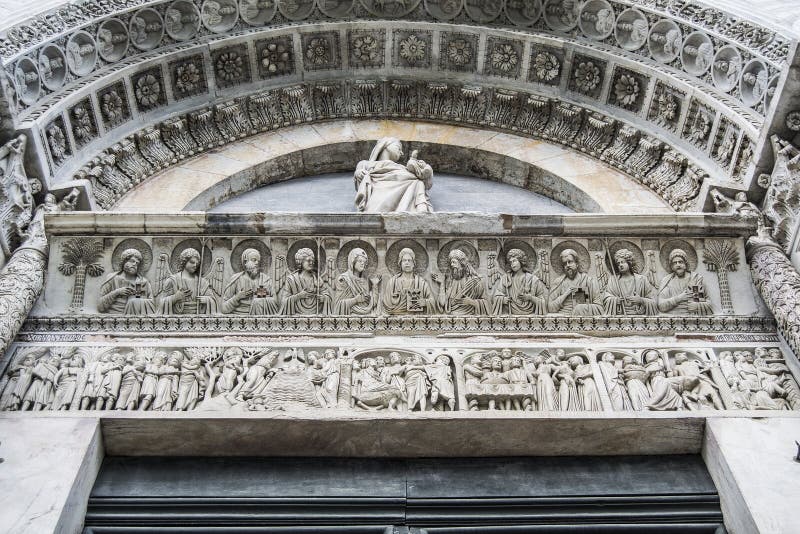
[
  {"x": 21, "y": 283},
  {"x": 779, "y": 284}
]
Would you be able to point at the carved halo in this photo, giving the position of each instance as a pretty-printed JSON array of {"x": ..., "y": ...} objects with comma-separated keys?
[
  {"x": 533, "y": 257},
  {"x": 136, "y": 243},
  {"x": 174, "y": 260},
  {"x": 420, "y": 254},
  {"x": 583, "y": 256},
  {"x": 319, "y": 254},
  {"x": 260, "y": 246},
  {"x": 466, "y": 247},
  {"x": 340, "y": 8},
  {"x": 638, "y": 255},
  {"x": 341, "y": 258},
  {"x": 672, "y": 244}
]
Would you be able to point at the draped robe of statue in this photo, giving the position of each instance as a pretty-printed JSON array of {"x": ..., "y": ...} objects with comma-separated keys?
[
  {"x": 252, "y": 305},
  {"x": 546, "y": 394},
  {"x": 130, "y": 305},
  {"x": 149, "y": 382},
  {"x": 468, "y": 287},
  {"x": 317, "y": 303},
  {"x": 386, "y": 186},
  {"x": 349, "y": 287},
  {"x": 199, "y": 301},
  {"x": 42, "y": 390},
  {"x": 594, "y": 299},
  {"x": 672, "y": 287},
  {"x": 189, "y": 385},
  {"x": 417, "y": 385},
  {"x": 568, "y": 398},
  {"x": 662, "y": 395},
  {"x": 616, "y": 391},
  {"x": 166, "y": 388},
  {"x": 441, "y": 377},
  {"x": 66, "y": 381},
  {"x": 515, "y": 285},
  {"x": 619, "y": 288},
  {"x": 109, "y": 386},
  {"x": 130, "y": 388},
  {"x": 395, "y": 294},
  {"x": 635, "y": 377},
  {"x": 587, "y": 388},
  {"x": 17, "y": 386}
]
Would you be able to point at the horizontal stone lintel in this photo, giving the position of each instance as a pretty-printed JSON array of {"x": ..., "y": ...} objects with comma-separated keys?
[
  {"x": 392, "y": 224},
  {"x": 460, "y": 434}
]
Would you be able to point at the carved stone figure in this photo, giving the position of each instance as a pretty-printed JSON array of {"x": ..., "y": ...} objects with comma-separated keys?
[
  {"x": 303, "y": 291},
  {"x": 407, "y": 292},
  {"x": 66, "y": 383},
  {"x": 546, "y": 392},
  {"x": 250, "y": 292},
  {"x": 110, "y": 382},
  {"x": 131, "y": 384},
  {"x": 370, "y": 392},
  {"x": 20, "y": 378},
  {"x": 699, "y": 390},
  {"x": 16, "y": 201},
  {"x": 627, "y": 291},
  {"x": 188, "y": 291},
  {"x": 150, "y": 380},
  {"x": 461, "y": 290},
  {"x": 417, "y": 384},
  {"x": 614, "y": 382},
  {"x": 574, "y": 292},
  {"x": 635, "y": 377},
  {"x": 385, "y": 185},
  {"x": 663, "y": 394},
  {"x": 191, "y": 384},
  {"x": 167, "y": 385},
  {"x": 683, "y": 292},
  {"x": 258, "y": 375},
  {"x": 443, "y": 393},
  {"x": 226, "y": 380},
  {"x": 520, "y": 292},
  {"x": 126, "y": 291},
  {"x": 41, "y": 392},
  {"x": 355, "y": 293}
]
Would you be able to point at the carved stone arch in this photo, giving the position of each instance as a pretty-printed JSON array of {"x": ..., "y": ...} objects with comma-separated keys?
[{"x": 575, "y": 180}]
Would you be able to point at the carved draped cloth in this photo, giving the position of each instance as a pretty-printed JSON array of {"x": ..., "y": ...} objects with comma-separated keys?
[
  {"x": 385, "y": 186},
  {"x": 672, "y": 287},
  {"x": 441, "y": 377},
  {"x": 469, "y": 287},
  {"x": 594, "y": 300},
  {"x": 293, "y": 303},
  {"x": 396, "y": 294},
  {"x": 132, "y": 305},
  {"x": 619, "y": 289},
  {"x": 200, "y": 299},
  {"x": 252, "y": 305},
  {"x": 515, "y": 285},
  {"x": 349, "y": 287}
]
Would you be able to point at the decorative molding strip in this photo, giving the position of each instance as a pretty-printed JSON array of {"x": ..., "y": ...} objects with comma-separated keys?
[{"x": 668, "y": 172}]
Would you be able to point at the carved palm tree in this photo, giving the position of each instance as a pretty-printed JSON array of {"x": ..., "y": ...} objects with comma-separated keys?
[
  {"x": 721, "y": 257},
  {"x": 81, "y": 256}
]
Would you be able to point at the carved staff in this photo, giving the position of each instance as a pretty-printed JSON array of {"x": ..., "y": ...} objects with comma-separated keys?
[{"x": 614, "y": 272}]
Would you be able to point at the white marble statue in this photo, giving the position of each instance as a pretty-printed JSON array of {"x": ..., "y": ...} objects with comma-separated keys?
[{"x": 385, "y": 185}]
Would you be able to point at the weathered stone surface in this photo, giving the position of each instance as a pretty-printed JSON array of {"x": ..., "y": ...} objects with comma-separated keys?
[{"x": 49, "y": 466}]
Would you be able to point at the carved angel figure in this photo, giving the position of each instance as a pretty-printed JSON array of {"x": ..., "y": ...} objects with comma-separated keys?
[
  {"x": 385, "y": 185},
  {"x": 188, "y": 291},
  {"x": 628, "y": 292}
]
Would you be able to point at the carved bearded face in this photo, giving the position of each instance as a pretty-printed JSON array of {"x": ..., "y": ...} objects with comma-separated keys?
[
  {"x": 570, "y": 263},
  {"x": 131, "y": 266},
  {"x": 678, "y": 266},
  {"x": 252, "y": 263}
]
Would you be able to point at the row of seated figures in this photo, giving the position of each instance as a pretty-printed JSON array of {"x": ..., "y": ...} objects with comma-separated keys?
[
  {"x": 268, "y": 378},
  {"x": 458, "y": 290}
]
